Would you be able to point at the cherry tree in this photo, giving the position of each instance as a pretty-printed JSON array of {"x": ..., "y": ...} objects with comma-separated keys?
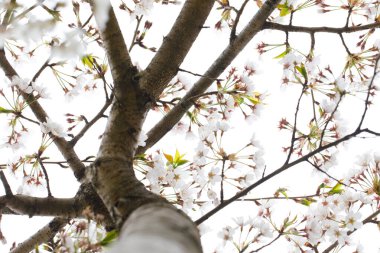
[{"x": 251, "y": 90}]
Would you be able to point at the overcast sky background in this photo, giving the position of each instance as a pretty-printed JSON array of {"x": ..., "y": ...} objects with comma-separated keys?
[{"x": 280, "y": 103}]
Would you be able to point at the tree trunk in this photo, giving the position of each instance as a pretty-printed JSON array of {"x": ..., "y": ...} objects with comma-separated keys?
[{"x": 159, "y": 228}]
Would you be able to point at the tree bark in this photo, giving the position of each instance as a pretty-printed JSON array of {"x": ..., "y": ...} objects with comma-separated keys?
[
  {"x": 112, "y": 174},
  {"x": 159, "y": 228},
  {"x": 220, "y": 64}
]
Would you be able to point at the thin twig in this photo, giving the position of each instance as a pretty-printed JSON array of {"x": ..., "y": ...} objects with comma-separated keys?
[
  {"x": 196, "y": 74},
  {"x": 18, "y": 114},
  {"x": 366, "y": 220},
  {"x": 43, "y": 67},
  {"x": 321, "y": 29},
  {"x": 295, "y": 126},
  {"x": 344, "y": 44},
  {"x": 312, "y": 43},
  {"x": 238, "y": 15},
  {"x": 46, "y": 176},
  {"x": 269, "y": 243},
  {"x": 91, "y": 122},
  {"x": 88, "y": 20},
  {"x": 329, "y": 119},
  {"x": 314, "y": 109},
  {"x": 348, "y": 16},
  {"x": 221, "y": 182},
  {"x": 193, "y": 98},
  {"x": 328, "y": 175},
  {"x": 282, "y": 198},
  {"x": 369, "y": 92},
  {"x": 22, "y": 14},
  {"x": 280, "y": 170},
  {"x": 133, "y": 43}
]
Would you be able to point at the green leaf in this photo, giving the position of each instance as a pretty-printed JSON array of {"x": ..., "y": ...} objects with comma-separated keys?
[
  {"x": 177, "y": 156},
  {"x": 192, "y": 116},
  {"x": 282, "y": 55},
  {"x": 177, "y": 160},
  {"x": 239, "y": 99},
  {"x": 169, "y": 158},
  {"x": 3, "y": 110},
  {"x": 306, "y": 201},
  {"x": 337, "y": 189},
  {"x": 302, "y": 70},
  {"x": 282, "y": 191},
  {"x": 288, "y": 222},
  {"x": 54, "y": 13},
  {"x": 226, "y": 14},
  {"x": 140, "y": 157},
  {"x": 110, "y": 237},
  {"x": 88, "y": 60},
  {"x": 284, "y": 9},
  {"x": 253, "y": 100},
  {"x": 181, "y": 162}
]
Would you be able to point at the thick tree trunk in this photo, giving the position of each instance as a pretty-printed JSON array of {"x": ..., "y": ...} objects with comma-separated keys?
[
  {"x": 148, "y": 223},
  {"x": 159, "y": 228}
]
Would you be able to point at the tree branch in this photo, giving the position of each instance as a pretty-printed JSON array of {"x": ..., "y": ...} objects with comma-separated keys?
[
  {"x": 89, "y": 124},
  {"x": 175, "y": 46},
  {"x": 116, "y": 50},
  {"x": 366, "y": 102},
  {"x": 321, "y": 29},
  {"x": 46, "y": 176},
  {"x": 278, "y": 171},
  {"x": 62, "y": 207},
  {"x": 217, "y": 68},
  {"x": 365, "y": 221},
  {"x": 31, "y": 206},
  {"x": 237, "y": 19},
  {"x": 7, "y": 188},
  {"x": 43, "y": 235},
  {"x": 63, "y": 146}
]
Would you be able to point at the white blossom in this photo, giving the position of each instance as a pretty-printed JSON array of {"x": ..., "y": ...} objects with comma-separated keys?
[
  {"x": 341, "y": 84},
  {"x": 222, "y": 126},
  {"x": 200, "y": 154},
  {"x": 263, "y": 227},
  {"x": 328, "y": 105},
  {"x": 52, "y": 127},
  {"x": 143, "y": 7},
  {"x": 71, "y": 47},
  {"x": 41, "y": 90},
  {"x": 227, "y": 234},
  {"x": 353, "y": 221},
  {"x": 22, "y": 84}
]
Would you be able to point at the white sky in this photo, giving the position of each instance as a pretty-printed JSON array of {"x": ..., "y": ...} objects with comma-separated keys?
[{"x": 280, "y": 103}]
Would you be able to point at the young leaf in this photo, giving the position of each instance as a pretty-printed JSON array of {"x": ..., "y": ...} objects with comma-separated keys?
[
  {"x": 306, "y": 201},
  {"x": 284, "y": 9},
  {"x": 282, "y": 55},
  {"x": 110, "y": 237},
  {"x": 3, "y": 110},
  {"x": 177, "y": 156},
  {"x": 302, "y": 70},
  {"x": 169, "y": 158},
  {"x": 337, "y": 189},
  {"x": 88, "y": 61}
]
